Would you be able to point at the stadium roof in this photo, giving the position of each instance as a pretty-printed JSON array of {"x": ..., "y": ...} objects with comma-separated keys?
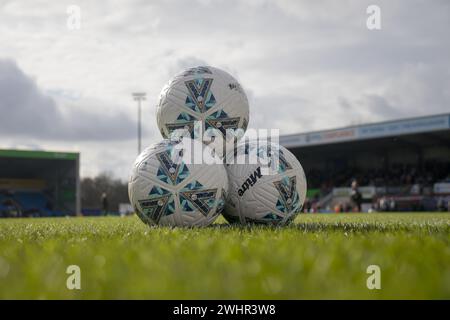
[
  {"x": 369, "y": 131},
  {"x": 31, "y": 154}
]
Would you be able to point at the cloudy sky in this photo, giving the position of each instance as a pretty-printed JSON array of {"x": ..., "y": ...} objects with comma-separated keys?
[{"x": 305, "y": 65}]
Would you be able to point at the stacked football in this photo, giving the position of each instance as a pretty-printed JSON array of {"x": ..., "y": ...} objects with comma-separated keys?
[{"x": 202, "y": 168}]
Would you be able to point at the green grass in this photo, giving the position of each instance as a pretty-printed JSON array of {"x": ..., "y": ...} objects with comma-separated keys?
[{"x": 320, "y": 256}]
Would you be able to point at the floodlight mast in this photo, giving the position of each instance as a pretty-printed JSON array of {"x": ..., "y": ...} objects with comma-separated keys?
[{"x": 139, "y": 97}]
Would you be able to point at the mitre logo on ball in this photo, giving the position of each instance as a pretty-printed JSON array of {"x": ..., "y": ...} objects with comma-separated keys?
[{"x": 274, "y": 196}]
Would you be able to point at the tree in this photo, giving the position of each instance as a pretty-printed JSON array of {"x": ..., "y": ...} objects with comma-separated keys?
[{"x": 93, "y": 188}]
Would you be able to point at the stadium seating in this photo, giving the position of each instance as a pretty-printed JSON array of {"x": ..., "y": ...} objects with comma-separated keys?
[
  {"x": 8, "y": 207},
  {"x": 2, "y": 200},
  {"x": 32, "y": 203},
  {"x": 398, "y": 187},
  {"x": 27, "y": 204}
]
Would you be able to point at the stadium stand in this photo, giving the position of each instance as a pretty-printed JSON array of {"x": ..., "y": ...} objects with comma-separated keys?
[
  {"x": 399, "y": 165},
  {"x": 38, "y": 183},
  {"x": 3, "y": 200},
  {"x": 33, "y": 203},
  {"x": 8, "y": 205},
  {"x": 26, "y": 204}
]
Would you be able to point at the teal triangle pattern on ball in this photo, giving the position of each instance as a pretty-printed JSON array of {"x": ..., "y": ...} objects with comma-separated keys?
[
  {"x": 197, "y": 71},
  {"x": 184, "y": 121},
  {"x": 169, "y": 171},
  {"x": 160, "y": 203},
  {"x": 200, "y": 98},
  {"x": 289, "y": 200},
  {"x": 221, "y": 121},
  {"x": 195, "y": 197},
  {"x": 269, "y": 218}
]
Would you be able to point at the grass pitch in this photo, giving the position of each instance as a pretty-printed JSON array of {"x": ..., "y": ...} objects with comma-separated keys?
[{"x": 320, "y": 256}]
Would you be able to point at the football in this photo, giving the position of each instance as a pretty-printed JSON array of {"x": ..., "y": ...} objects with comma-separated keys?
[
  {"x": 203, "y": 98},
  {"x": 167, "y": 188},
  {"x": 267, "y": 184}
]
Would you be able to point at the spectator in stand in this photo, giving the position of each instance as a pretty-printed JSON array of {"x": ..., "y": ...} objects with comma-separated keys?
[
  {"x": 383, "y": 204},
  {"x": 307, "y": 205},
  {"x": 441, "y": 205},
  {"x": 337, "y": 208},
  {"x": 347, "y": 207},
  {"x": 392, "y": 205},
  {"x": 356, "y": 197}
]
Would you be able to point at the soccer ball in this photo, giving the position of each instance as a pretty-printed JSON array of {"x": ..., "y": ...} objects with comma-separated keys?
[
  {"x": 167, "y": 189},
  {"x": 271, "y": 189},
  {"x": 207, "y": 96}
]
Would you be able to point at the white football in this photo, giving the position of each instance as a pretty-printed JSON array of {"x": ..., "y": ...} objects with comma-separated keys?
[
  {"x": 270, "y": 190},
  {"x": 165, "y": 189},
  {"x": 207, "y": 96}
]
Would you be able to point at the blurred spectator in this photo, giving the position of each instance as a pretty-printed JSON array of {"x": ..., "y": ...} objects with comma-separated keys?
[
  {"x": 441, "y": 205},
  {"x": 356, "y": 197},
  {"x": 395, "y": 175},
  {"x": 307, "y": 205},
  {"x": 105, "y": 206}
]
